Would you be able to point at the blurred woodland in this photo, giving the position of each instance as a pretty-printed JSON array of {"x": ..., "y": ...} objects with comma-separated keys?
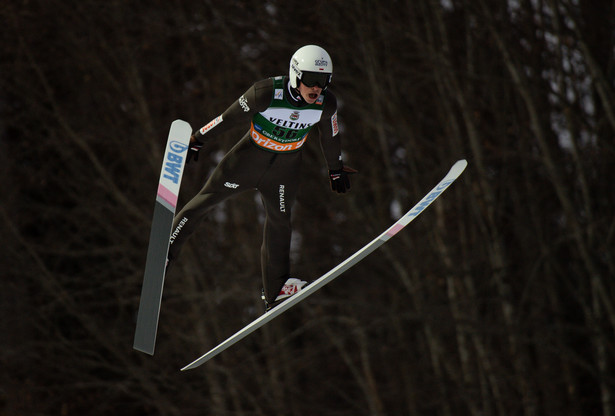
[{"x": 498, "y": 300}]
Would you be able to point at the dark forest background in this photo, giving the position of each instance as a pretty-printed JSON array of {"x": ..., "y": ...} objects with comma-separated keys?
[{"x": 498, "y": 300}]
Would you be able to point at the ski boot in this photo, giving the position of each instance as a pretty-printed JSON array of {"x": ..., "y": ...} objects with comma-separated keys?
[{"x": 291, "y": 287}]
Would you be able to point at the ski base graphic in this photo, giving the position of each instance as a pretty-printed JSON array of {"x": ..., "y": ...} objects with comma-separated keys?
[
  {"x": 164, "y": 211},
  {"x": 450, "y": 177}
]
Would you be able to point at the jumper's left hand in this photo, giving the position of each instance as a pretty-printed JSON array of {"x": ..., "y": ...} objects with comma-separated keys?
[
  {"x": 194, "y": 149},
  {"x": 340, "y": 182}
]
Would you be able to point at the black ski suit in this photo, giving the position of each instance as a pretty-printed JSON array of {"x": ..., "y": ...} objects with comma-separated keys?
[{"x": 267, "y": 158}]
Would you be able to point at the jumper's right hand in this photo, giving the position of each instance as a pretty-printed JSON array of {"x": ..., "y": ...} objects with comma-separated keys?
[{"x": 193, "y": 149}]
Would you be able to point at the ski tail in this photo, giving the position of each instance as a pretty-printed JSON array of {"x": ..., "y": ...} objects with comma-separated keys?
[
  {"x": 164, "y": 211},
  {"x": 450, "y": 177}
]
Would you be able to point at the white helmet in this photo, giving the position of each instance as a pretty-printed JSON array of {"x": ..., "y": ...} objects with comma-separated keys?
[{"x": 311, "y": 65}]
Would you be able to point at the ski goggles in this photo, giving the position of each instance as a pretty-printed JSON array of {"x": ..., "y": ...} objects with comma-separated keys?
[{"x": 311, "y": 79}]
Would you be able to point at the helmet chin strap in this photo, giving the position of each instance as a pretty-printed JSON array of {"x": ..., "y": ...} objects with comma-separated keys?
[{"x": 295, "y": 94}]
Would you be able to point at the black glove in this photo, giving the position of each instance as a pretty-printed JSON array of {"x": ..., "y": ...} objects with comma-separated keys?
[
  {"x": 193, "y": 149},
  {"x": 340, "y": 182}
]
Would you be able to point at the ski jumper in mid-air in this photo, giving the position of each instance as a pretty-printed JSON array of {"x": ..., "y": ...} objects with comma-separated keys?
[{"x": 281, "y": 113}]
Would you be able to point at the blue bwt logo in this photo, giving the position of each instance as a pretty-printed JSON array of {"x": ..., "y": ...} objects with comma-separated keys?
[
  {"x": 177, "y": 147},
  {"x": 429, "y": 198},
  {"x": 173, "y": 164}
]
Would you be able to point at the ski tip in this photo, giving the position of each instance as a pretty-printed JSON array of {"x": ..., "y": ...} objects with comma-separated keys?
[
  {"x": 180, "y": 122},
  {"x": 459, "y": 167},
  {"x": 182, "y": 128},
  {"x": 461, "y": 162}
]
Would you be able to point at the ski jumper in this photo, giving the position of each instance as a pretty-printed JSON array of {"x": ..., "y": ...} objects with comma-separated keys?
[{"x": 268, "y": 159}]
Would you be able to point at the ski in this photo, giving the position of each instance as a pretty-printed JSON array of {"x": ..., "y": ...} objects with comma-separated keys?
[
  {"x": 450, "y": 177},
  {"x": 162, "y": 222}
]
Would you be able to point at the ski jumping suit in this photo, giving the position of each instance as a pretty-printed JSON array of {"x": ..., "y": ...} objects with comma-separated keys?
[{"x": 267, "y": 158}]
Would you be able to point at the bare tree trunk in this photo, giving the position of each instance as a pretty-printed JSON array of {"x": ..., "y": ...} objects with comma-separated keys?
[
  {"x": 360, "y": 366},
  {"x": 496, "y": 248},
  {"x": 564, "y": 199}
]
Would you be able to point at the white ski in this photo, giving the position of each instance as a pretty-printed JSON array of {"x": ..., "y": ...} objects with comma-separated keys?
[
  {"x": 450, "y": 177},
  {"x": 164, "y": 211}
]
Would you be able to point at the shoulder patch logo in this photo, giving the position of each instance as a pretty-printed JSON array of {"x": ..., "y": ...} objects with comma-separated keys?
[
  {"x": 243, "y": 102},
  {"x": 278, "y": 94},
  {"x": 211, "y": 124},
  {"x": 334, "y": 125}
]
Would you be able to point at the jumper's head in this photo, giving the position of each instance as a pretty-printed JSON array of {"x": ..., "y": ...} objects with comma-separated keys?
[{"x": 312, "y": 66}]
